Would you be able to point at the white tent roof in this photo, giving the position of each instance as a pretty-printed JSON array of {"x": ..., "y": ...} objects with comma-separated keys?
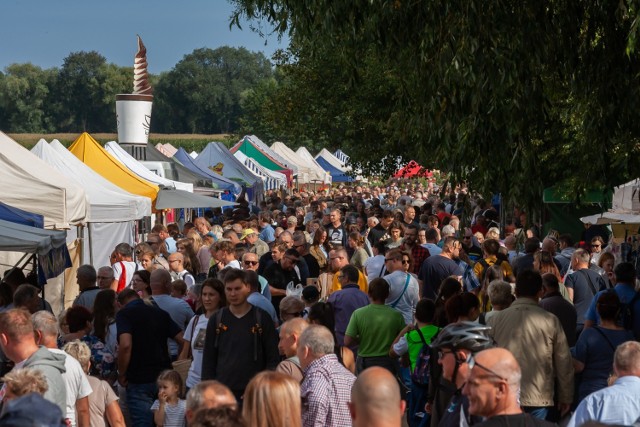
[
  {"x": 272, "y": 179},
  {"x": 308, "y": 158},
  {"x": 32, "y": 240},
  {"x": 109, "y": 203},
  {"x": 276, "y": 157},
  {"x": 306, "y": 173},
  {"x": 626, "y": 197},
  {"x": 30, "y": 184},
  {"x": 333, "y": 160},
  {"x": 193, "y": 154},
  {"x": 136, "y": 167}
]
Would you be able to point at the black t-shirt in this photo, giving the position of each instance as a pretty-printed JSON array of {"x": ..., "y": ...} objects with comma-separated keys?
[
  {"x": 312, "y": 263},
  {"x": 150, "y": 327},
  {"x": 517, "y": 420},
  {"x": 279, "y": 278},
  {"x": 242, "y": 351}
]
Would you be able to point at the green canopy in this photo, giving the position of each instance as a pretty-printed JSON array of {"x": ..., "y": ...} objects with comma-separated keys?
[{"x": 250, "y": 150}]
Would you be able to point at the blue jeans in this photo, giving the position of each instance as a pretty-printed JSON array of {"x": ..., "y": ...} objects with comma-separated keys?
[
  {"x": 140, "y": 397},
  {"x": 539, "y": 412}
]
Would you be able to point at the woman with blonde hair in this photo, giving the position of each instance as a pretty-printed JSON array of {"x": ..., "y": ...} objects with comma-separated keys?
[
  {"x": 203, "y": 254},
  {"x": 272, "y": 399},
  {"x": 103, "y": 401}
]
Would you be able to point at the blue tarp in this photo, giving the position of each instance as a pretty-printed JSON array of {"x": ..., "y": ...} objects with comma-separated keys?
[
  {"x": 217, "y": 158},
  {"x": 336, "y": 174},
  {"x": 18, "y": 216},
  {"x": 223, "y": 183}
]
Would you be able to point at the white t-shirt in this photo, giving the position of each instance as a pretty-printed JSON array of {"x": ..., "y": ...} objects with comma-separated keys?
[
  {"x": 173, "y": 414},
  {"x": 76, "y": 383},
  {"x": 129, "y": 267},
  {"x": 374, "y": 266},
  {"x": 197, "y": 347}
]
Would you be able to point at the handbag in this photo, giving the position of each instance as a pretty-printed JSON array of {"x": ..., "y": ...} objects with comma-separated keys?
[{"x": 182, "y": 366}]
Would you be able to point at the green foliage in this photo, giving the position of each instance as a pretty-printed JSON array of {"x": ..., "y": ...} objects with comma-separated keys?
[
  {"x": 24, "y": 91},
  {"x": 202, "y": 92},
  {"x": 511, "y": 96}
]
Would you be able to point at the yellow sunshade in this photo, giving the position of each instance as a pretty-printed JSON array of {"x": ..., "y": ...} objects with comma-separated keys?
[{"x": 93, "y": 155}]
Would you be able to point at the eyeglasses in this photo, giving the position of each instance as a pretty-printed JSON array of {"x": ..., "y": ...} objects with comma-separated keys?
[
  {"x": 173, "y": 260},
  {"x": 251, "y": 262},
  {"x": 471, "y": 361},
  {"x": 405, "y": 261}
]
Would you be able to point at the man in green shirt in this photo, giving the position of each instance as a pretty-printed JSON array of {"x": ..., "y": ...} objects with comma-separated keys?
[{"x": 374, "y": 328}]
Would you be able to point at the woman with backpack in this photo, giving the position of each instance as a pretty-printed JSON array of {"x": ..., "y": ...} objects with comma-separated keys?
[{"x": 413, "y": 345}]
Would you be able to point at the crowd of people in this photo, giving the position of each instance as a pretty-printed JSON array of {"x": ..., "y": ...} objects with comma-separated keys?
[{"x": 361, "y": 305}]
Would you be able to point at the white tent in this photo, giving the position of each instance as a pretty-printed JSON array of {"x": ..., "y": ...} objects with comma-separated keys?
[
  {"x": 113, "y": 210},
  {"x": 272, "y": 180},
  {"x": 306, "y": 172},
  {"x": 109, "y": 203},
  {"x": 308, "y": 158},
  {"x": 625, "y": 207},
  {"x": 193, "y": 154},
  {"x": 136, "y": 167},
  {"x": 30, "y": 184},
  {"x": 333, "y": 160}
]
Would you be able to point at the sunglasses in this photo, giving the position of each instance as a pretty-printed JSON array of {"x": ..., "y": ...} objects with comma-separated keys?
[
  {"x": 251, "y": 262},
  {"x": 471, "y": 361}
]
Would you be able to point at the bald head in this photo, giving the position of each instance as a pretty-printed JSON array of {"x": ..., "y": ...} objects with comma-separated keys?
[
  {"x": 497, "y": 366},
  {"x": 296, "y": 326},
  {"x": 160, "y": 281},
  {"x": 375, "y": 399}
]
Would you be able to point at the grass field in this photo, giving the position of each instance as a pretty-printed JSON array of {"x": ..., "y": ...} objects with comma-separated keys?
[{"x": 190, "y": 142}]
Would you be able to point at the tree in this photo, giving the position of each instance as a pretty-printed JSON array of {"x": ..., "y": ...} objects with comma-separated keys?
[
  {"x": 202, "y": 92},
  {"x": 24, "y": 90},
  {"x": 512, "y": 96},
  {"x": 83, "y": 96}
]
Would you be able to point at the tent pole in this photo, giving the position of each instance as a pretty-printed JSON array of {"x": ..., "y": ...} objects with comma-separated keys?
[
  {"x": 90, "y": 243},
  {"x": 80, "y": 232}
]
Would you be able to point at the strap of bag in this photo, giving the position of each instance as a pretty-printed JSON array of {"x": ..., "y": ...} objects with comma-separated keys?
[
  {"x": 381, "y": 270},
  {"x": 193, "y": 328},
  {"x": 591, "y": 285},
  {"x": 406, "y": 284},
  {"x": 218, "y": 321},
  {"x": 424, "y": 342},
  {"x": 122, "y": 281},
  {"x": 613, "y": 347}
]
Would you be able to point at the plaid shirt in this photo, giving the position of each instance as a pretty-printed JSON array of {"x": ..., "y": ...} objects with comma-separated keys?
[
  {"x": 325, "y": 391},
  {"x": 419, "y": 254}
]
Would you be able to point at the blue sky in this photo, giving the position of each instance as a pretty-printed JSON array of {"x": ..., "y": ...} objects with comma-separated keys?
[{"x": 44, "y": 32}]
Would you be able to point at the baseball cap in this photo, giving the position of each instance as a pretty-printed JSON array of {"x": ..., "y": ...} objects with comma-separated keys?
[{"x": 247, "y": 232}]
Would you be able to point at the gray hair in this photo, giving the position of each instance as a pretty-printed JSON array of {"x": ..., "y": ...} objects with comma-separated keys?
[
  {"x": 124, "y": 249},
  {"x": 581, "y": 256},
  {"x": 105, "y": 269},
  {"x": 318, "y": 339},
  {"x": 500, "y": 293},
  {"x": 79, "y": 351},
  {"x": 626, "y": 359},
  {"x": 448, "y": 230},
  {"x": 46, "y": 323},
  {"x": 87, "y": 272}
]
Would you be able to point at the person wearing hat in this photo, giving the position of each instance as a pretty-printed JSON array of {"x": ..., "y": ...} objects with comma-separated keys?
[{"x": 251, "y": 238}]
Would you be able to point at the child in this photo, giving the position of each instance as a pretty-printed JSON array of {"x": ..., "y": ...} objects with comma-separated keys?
[{"x": 168, "y": 410}]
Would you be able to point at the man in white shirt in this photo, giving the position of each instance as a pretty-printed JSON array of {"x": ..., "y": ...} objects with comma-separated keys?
[
  {"x": 124, "y": 267},
  {"x": 75, "y": 380}
]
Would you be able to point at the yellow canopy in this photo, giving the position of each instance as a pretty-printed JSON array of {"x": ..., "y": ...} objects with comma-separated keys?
[{"x": 93, "y": 155}]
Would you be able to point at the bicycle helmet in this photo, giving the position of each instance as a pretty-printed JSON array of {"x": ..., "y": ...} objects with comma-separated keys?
[{"x": 464, "y": 335}]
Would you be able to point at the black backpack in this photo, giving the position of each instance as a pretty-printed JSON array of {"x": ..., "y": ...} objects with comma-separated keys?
[
  {"x": 420, "y": 374},
  {"x": 625, "y": 317}
]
